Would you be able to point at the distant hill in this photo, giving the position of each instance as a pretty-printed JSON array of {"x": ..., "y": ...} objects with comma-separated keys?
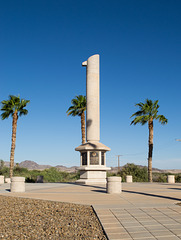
[
  {"x": 174, "y": 171},
  {"x": 66, "y": 169},
  {"x": 31, "y": 165}
]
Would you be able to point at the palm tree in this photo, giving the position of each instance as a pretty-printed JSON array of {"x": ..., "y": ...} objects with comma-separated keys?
[
  {"x": 14, "y": 106},
  {"x": 147, "y": 113},
  {"x": 78, "y": 109}
]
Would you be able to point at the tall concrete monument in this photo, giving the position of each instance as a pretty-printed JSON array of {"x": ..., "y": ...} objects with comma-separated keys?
[{"x": 92, "y": 153}]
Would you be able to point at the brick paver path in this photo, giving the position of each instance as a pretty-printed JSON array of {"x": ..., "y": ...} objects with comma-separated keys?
[
  {"x": 151, "y": 213},
  {"x": 141, "y": 223}
]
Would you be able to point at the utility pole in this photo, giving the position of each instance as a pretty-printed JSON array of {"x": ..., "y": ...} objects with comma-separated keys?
[{"x": 118, "y": 162}]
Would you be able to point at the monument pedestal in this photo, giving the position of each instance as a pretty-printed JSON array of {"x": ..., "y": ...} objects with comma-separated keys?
[
  {"x": 93, "y": 175},
  {"x": 92, "y": 163}
]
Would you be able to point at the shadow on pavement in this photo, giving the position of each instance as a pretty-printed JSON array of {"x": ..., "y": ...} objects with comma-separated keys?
[
  {"x": 152, "y": 195},
  {"x": 84, "y": 185},
  {"x": 100, "y": 191},
  {"x": 175, "y": 188}
]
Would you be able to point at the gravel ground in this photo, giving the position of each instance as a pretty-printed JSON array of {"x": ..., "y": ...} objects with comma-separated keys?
[{"x": 33, "y": 219}]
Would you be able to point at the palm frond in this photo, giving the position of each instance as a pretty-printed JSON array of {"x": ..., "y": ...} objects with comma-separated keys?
[
  {"x": 78, "y": 106},
  {"x": 162, "y": 119},
  {"x": 139, "y": 104},
  {"x": 138, "y": 113},
  {"x": 147, "y": 111},
  {"x": 14, "y": 103},
  {"x": 23, "y": 112},
  {"x": 139, "y": 119},
  {"x": 6, "y": 114}
]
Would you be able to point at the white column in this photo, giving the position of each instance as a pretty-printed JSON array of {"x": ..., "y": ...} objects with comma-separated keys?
[
  {"x": 171, "y": 179},
  {"x": 129, "y": 179},
  {"x": 114, "y": 185},
  {"x": 88, "y": 158},
  {"x": 92, "y": 94},
  {"x": 80, "y": 159},
  {"x": 100, "y": 158},
  {"x": 1, "y": 179},
  {"x": 17, "y": 184}
]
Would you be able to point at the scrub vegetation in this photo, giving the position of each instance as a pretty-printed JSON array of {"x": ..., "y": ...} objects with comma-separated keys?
[
  {"x": 49, "y": 175},
  {"x": 140, "y": 174}
]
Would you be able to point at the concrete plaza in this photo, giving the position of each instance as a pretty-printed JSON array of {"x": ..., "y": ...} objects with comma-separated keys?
[{"x": 141, "y": 211}]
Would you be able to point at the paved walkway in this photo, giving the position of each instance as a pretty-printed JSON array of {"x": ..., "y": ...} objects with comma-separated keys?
[{"x": 142, "y": 211}]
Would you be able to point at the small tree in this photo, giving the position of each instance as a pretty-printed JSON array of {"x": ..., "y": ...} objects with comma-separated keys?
[
  {"x": 139, "y": 174},
  {"x": 146, "y": 114},
  {"x": 78, "y": 109},
  {"x": 15, "y": 107},
  {"x": 1, "y": 164}
]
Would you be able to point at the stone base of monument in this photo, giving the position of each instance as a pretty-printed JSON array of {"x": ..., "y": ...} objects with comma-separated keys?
[
  {"x": 1, "y": 179},
  {"x": 129, "y": 179},
  {"x": 93, "y": 175},
  {"x": 171, "y": 179},
  {"x": 114, "y": 185},
  {"x": 17, "y": 184}
]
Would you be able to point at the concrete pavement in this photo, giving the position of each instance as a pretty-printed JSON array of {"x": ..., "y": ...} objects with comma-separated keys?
[{"x": 141, "y": 211}]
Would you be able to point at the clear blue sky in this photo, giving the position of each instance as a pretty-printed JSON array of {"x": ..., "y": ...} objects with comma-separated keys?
[{"x": 42, "y": 46}]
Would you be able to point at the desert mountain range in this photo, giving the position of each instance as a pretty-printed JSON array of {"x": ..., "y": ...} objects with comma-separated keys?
[{"x": 31, "y": 165}]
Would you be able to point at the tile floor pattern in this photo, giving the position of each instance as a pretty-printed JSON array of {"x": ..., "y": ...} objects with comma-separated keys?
[{"x": 141, "y": 223}]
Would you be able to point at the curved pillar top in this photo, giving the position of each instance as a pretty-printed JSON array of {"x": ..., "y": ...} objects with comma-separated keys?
[
  {"x": 92, "y": 62},
  {"x": 92, "y": 95}
]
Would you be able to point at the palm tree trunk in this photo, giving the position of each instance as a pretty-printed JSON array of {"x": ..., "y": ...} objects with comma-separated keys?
[
  {"x": 83, "y": 127},
  {"x": 150, "y": 151},
  {"x": 13, "y": 143}
]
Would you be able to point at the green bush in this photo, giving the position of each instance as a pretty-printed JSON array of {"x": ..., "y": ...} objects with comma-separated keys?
[
  {"x": 178, "y": 178},
  {"x": 1, "y": 163},
  {"x": 20, "y": 171},
  {"x": 160, "y": 177},
  {"x": 4, "y": 171},
  {"x": 109, "y": 174},
  {"x": 52, "y": 175},
  {"x": 31, "y": 176},
  {"x": 49, "y": 175},
  {"x": 139, "y": 174}
]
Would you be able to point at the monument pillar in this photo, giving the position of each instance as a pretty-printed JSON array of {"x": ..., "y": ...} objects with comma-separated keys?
[
  {"x": 92, "y": 98},
  {"x": 93, "y": 153}
]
